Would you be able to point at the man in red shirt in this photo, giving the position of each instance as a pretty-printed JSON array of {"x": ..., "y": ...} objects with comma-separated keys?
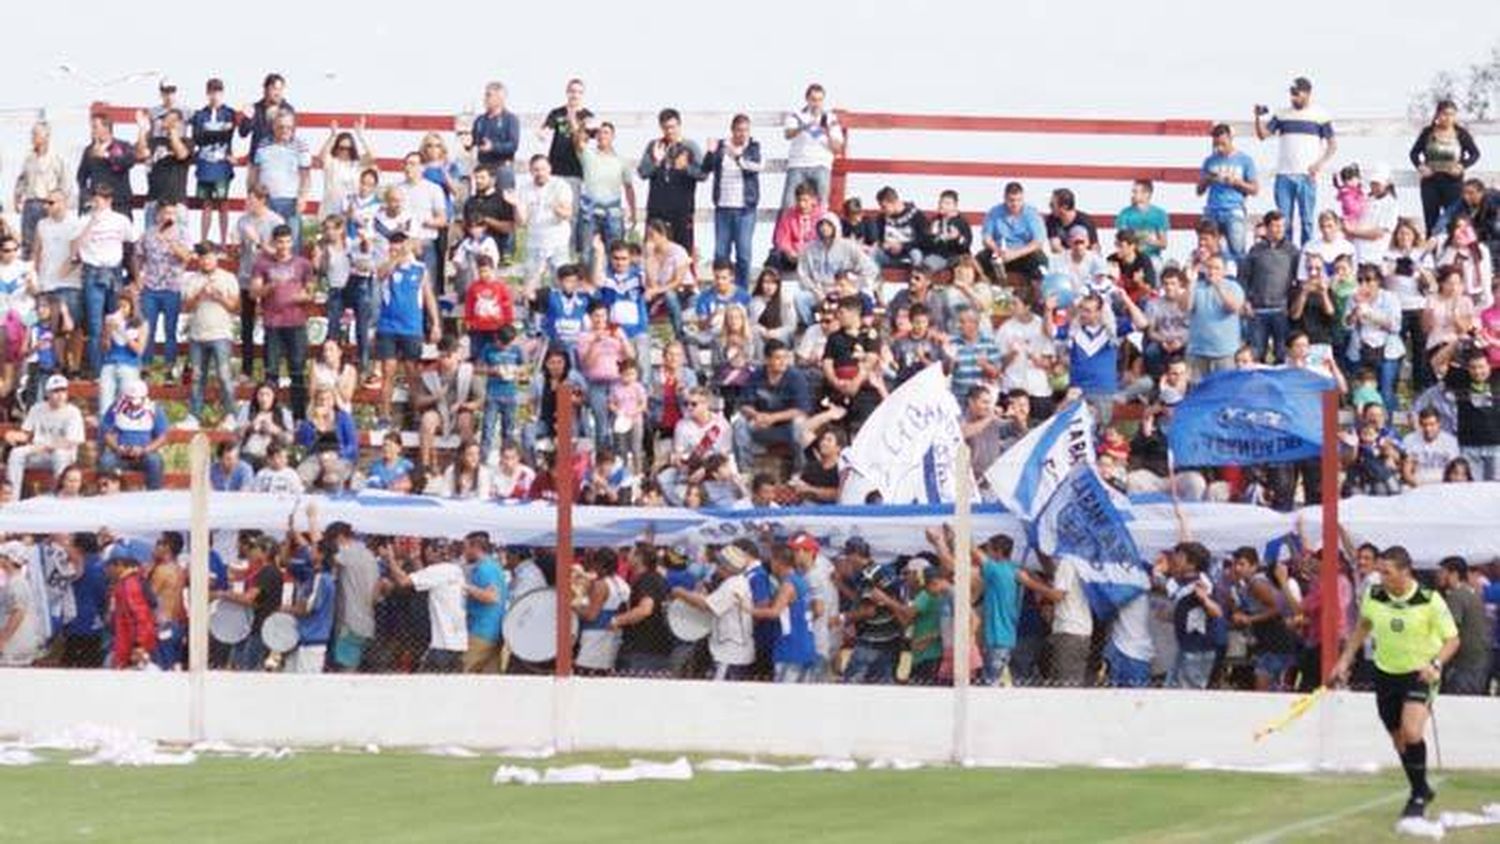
[
  {"x": 130, "y": 613},
  {"x": 282, "y": 283},
  {"x": 488, "y": 306}
]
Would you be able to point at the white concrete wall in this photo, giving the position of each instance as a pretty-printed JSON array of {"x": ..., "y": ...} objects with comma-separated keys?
[{"x": 1010, "y": 726}]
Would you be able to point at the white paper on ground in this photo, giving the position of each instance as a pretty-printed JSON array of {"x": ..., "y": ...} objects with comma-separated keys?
[
  {"x": 677, "y": 770},
  {"x": 894, "y": 765},
  {"x": 1006, "y": 763},
  {"x": 15, "y": 757},
  {"x": 452, "y": 751},
  {"x": 1110, "y": 763},
  {"x": 1419, "y": 828},
  {"x": 1491, "y": 810},
  {"x": 527, "y": 753},
  {"x": 571, "y": 775},
  {"x": 1463, "y": 820},
  {"x": 506, "y": 774},
  {"x": 372, "y": 748},
  {"x": 736, "y": 766}
]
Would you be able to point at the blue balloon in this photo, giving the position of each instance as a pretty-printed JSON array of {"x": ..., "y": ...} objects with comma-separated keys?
[{"x": 1060, "y": 286}]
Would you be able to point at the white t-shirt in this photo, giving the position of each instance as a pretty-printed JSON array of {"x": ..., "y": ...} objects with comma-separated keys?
[
  {"x": 13, "y": 292},
  {"x": 711, "y": 437},
  {"x": 48, "y": 426},
  {"x": 1131, "y": 632},
  {"x": 821, "y": 588},
  {"x": 103, "y": 242},
  {"x": 210, "y": 320},
  {"x": 276, "y": 480},
  {"x": 813, "y": 146},
  {"x": 1431, "y": 457},
  {"x": 731, "y": 642},
  {"x": 1380, "y": 213},
  {"x": 444, "y": 585},
  {"x": 545, "y": 229},
  {"x": 422, "y": 200},
  {"x": 1071, "y": 614},
  {"x": 1033, "y": 340},
  {"x": 1327, "y": 251},
  {"x": 56, "y": 240},
  {"x": 1301, "y": 133}
]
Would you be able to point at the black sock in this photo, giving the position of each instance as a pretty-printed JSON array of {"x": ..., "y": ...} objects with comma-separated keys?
[{"x": 1414, "y": 762}]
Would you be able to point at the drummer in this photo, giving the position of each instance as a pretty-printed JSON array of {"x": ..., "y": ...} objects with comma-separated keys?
[
  {"x": 312, "y": 597},
  {"x": 648, "y": 643},
  {"x": 731, "y": 645},
  {"x": 262, "y": 594}
]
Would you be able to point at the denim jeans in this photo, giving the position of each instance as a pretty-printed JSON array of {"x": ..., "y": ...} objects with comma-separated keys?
[
  {"x": 1297, "y": 195},
  {"x": 749, "y": 441},
  {"x": 734, "y": 230},
  {"x": 358, "y": 297},
  {"x": 220, "y": 351},
  {"x": 868, "y": 664},
  {"x": 790, "y": 672},
  {"x": 72, "y": 299},
  {"x": 101, "y": 287},
  {"x": 289, "y": 344},
  {"x": 674, "y": 311},
  {"x": 996, "y": 660},
  {"x": 1125, "y": 671},
  {"x": 820, "y": 177},
  {"x": 605, "y": 219},
  {"x": 112, "y": 378},
  {"x": 247, "y": 334},
  {"x": 598, "y": 397},
  {"x": 249, "y": 655},
  {"x": 1232, "y": 224},
  {"x": 1271, "y": 324},
  {"x": 1191, "y": 670},
  {"x": 32, "y": 212},
  {"x": 166, "y": 304},
  {"x": 148, "y": 464},
  {"x": 505, "y": 410},
  {"x": 286, "y": 207}
]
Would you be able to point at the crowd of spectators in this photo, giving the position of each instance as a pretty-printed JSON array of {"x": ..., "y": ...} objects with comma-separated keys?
[{"x": 414, "y": 335}]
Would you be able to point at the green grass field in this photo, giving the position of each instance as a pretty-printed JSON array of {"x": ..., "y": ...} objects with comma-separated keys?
[{"x": 325, "y": 797}]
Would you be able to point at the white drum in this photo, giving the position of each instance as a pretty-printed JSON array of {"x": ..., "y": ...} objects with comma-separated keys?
[
  {"x": 688, "y": 623},
  {"x": 229, "y": 622},
  {"x": 531, "y": 626},
  {"x": 279, "y": 632}
]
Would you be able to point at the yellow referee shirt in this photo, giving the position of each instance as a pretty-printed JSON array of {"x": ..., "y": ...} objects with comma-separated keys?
[{"x": 1409, "y": 629}]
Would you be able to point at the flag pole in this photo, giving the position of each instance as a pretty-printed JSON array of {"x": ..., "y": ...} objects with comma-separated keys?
[
  {"x": 963, "y": 478},
  {"x": 1329, "y": 576}
]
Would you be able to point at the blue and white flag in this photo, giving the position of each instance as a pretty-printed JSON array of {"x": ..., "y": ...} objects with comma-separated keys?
[
  {"x": 1024, "y": 477},
  {"x": 907, "y": 448},
  {"x": 1247, "y": 416},
  {"x": 1081, "y": 521}
]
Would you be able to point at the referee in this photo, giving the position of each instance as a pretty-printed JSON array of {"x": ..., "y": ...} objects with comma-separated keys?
[{"x": 1414, "y": 637}]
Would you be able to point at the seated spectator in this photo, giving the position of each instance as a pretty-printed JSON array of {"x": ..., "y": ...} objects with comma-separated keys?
[
  {"x": 134, "y": 429},
  {"x": 735, "y": 353},
  {"x": 262, "y": 420},
  {"x": 1376, "y": 468},
  {"x": 125, "y": 339},
  {"x": 773, "y": 310},
  {"x": 329, "y": 371},
  {"x": 1086, "y": 270},
  {"x": 921, "y": 346},
  {"x": 1471, "y": 258},
  {"x": 513, "y": 479},
  {"x": 565, "y": 312},
  {"x": 467, "y": 476},
  {"x": 1149, "y": 469},
  {"x": 777, "y": 402},
  {"x": 706, "y": 331},
  {"x": 796, "y": 227},
  {"x": 1132, "y": 270},
  {"x": 446, "y": 401},
  {"x": 900, "y": 231},
  {"x": 1148, "y": 222},
  {"x": 329, "y": 442},
  {"x": 851, "y": 365},
  {"x": 228, "y": 473},
  {"x": 949, "y": 236},
  {"x": 823, "y": 259},
  {"x": 1015, "y": 238},
  {"x": 920, "y": 290},
  {"x": 976, "y": 359},
  {"x": 49, "y": 436},
  {"x": 817, "y": 482},
  {"x": 1478, "y": 404},
  {"x": 668, "y": 272},
  {"x": 392, "y": 471},
  {"x": 1330, "y": 243},
  {"x": 701, "y": 434},
  {"x": 1024, "y": 353},
  {"x": 1063, "y": 217},
  {"x": 277, "y": 475}
]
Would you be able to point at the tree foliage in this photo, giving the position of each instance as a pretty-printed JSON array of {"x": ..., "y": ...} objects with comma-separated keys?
[{"x": 1475, "y": 88}]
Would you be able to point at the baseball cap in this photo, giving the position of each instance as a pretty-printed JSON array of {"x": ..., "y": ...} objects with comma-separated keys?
[
  {"x": 1381, "y": 173},
  {"x": 804, "y": 542},
  {"x": 55, "y": 383},
  {"x": 1301, "y": 84},
  {"x": 856, "y": 545},
  {"x": 166, "y": 85},
  {"x": 734, "y": 558},
  {"x": 1077, "y": 233}
]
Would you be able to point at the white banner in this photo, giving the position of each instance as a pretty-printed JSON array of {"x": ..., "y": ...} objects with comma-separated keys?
[
  {"x": 906, "y": 449},
  {"x": 1024, "y": 477}
]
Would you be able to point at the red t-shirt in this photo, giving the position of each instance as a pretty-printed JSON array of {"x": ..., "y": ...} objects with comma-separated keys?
[
  {"x": 285, "y": 280},
  {"x": 488, "y": 306}
]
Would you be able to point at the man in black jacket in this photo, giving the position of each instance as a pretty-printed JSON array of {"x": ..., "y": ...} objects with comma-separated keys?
[
  {"x": 900, "y": 231},
  {"x": 1268, "y": 274}
]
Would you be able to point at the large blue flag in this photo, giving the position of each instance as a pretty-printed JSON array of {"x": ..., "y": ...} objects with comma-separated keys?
[
  {"x": 1247, "y": 416},
  {"x": 1081, "y": 521}
]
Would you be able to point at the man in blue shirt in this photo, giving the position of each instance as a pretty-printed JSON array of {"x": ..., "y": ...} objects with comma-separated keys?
[
  {"x": 229, "y": 473},
  {"x": 134, "y": 431},
  {"x": 1001, "y": 605},
  {"x": 1149, "y": 222},
  {"x": 1228, "y": 176},
  {"x": 83, "y": 636},
  {"x": 779, "y": 402},
  {"x": 497, "y": 132},
  {"x": 709, "y": 305},
  {"x": 1015, "y": 238},
  {"x": 486, "y": 594},
  {"x": 392, "y": 472},
  {"x": 405, "y": 297},
  {"x": 1214, "y": 320}
]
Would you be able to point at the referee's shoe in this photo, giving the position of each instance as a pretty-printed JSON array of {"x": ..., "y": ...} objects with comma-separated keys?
[{"x": 1416, "y": 805}]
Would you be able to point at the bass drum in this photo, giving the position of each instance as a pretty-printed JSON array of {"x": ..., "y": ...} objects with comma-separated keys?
[{"x": 530, "y": 626}]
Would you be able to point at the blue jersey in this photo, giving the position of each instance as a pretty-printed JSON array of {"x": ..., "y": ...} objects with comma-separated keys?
[
  {"x": 564, "y": 319},
  {"x": 762, "y": 591},
  {"x": 90, "y": 596},
  {"x": 498, "y": 387},
  {"x": 625, "y": 296},
  {"x": 1092, "y": 359},
  {"x": 401, "y": 301},
  {"x": 213, "y": 136},
  {"x": 485, "y": 620},
  {"x": 1222, "y": 197},
  {"x": 709, "y": 302},
  {"x": 794, "y": 640},
  {"x": 316, "y": 628},
  {"x": 383, "y": 475}
]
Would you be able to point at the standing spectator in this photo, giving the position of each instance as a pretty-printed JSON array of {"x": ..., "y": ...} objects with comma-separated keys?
[
  {"x": 228, "y": 473},
  {"x": 444, "y": 582},
  {"x": 1374, "y": 319},
  {"x": 428, "y": 189},
  {"x": 1214, "y": 320},
  {"x": 606, "y": 196},
  {"x": 100, "y": 248},
  {"x": 1408, "y": 270},
  {"x": 405, "y": 298},
  {"x": 1468, "y": 672},
  {"x": 257, "y": 120},
  {"x": 168, "y": 157},
  {"x": 212, "y": 129},
  {"x": 851, "y": 373},
  {"x": 1482, "y": 206},
  {"x": 880, "y": 616},
  {"x": 1066, "y": 655},
  {"x": 252, "y": 233},
  {"x": 488, "y": 207},
  {"x": 22, "y": 621},
  {"x": 342, "y": 158},
  {"x": 42, "y": 173},
  {"x": 731, "y": 643},
  {"x": 486, "y": 595},
  {"x": 1001, "y": 607},
  {"x": 50, "y": 435},
  {"x": 160, "y": 262},
  {"x": 1015, "y": 238},
  {"x": 1195, "y": 615},
  {"x": 134, "y": 429},
  {"x": 283, "y": 166},
  {"x": 497, "y": 132},
  {"x": 561, "y": 129},
  {"x": 546, "y": 209},
  {"x": 1149, "y": 222},
  {"x": 1442, "y": 152},
  {"x": 673, "y": 165},
  {"x": 1478, "y": 405},
  {"x": 1471, "y": 259},
  {"x": 647, "y": 644},
  {"x": 132, "y": 623},
  {"x": 1228, "y": 177},
  {"x": 1306, "y": 145},
  {"x": 1063, "y": 217},
  {"x": 978, "y": 360},
  {"x": 824, "y": 259},
  {"x": 282, "y": 284},
  {"x": 1268, "y": 275},
  {"x": 1370, "y": 232},
  {"x": 125, "y": 335},
  {"x": 816, "y": 137},
  {"x": 779, "y": 401},
  {"x": 1259, "y": 606},
  {"x": 735, "y": 163},
  {"x": 358, "y": 577},
  {"x": 106, "y": 163},
  {"x": 57, "y": 275},
  {"x": 601, "y": 350},
  {"x": 488, "y": 307},
  {"x": 1093, "y": 356}
]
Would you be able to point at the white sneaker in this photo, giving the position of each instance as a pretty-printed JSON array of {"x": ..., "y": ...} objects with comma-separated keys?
[{"x": 188, "y": 423}]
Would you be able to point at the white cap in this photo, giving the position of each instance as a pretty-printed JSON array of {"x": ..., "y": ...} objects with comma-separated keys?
[
  {"x": 1381, "y": 173},
  {"x": 55, "y": 382},
  {"x": 136, "y": 389}
]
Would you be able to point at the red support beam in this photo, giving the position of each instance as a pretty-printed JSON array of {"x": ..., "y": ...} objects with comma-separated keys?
[
  {"x": 1029, "y": 125},
  {"x": 566, "y": 484},
  {"x": 990, "y": 170},
  {"x": 324, "y": 120},
  {"x": 1328, "y": 576}
]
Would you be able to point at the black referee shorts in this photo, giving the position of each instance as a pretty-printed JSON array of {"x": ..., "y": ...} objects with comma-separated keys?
[{"x": 1393, "y": 691}]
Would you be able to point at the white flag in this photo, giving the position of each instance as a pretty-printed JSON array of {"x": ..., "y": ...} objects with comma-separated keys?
[
  {"x": 906, "y": 449},
  {"x": 1024, "y": 477}
]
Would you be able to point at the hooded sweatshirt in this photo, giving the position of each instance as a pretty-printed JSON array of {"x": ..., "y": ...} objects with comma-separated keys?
[{"x": 827, "y": 254}]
